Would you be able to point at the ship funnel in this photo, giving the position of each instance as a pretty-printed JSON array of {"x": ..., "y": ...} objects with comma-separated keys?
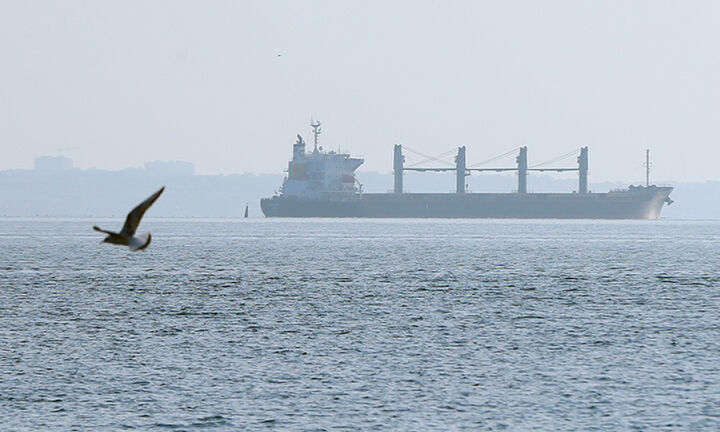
[{"x": 299, "y": 148}]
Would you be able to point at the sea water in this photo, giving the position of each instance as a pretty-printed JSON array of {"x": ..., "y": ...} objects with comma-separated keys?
[{"x": 361, "y": 325}]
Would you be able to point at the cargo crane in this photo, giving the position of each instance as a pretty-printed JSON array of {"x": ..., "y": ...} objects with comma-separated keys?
[{"x": 462, "y": 170}]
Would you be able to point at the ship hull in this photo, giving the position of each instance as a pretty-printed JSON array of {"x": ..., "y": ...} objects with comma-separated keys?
[{"x": 636, "y": 203}]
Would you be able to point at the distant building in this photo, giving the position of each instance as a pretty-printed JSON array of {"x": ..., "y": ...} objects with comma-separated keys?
[
  {"x": 53, "y": 163},
  {"x": 170, "y": 168}
]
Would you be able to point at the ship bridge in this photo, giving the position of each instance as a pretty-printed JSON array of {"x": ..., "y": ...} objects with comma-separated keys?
[{"x": 320, "y": 173}]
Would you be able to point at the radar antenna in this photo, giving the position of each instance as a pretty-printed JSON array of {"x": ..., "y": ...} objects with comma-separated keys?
[{"x": 316, "y": 132}]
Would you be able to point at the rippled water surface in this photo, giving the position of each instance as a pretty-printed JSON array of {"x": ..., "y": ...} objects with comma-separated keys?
[{"x": 356, "y": 324}]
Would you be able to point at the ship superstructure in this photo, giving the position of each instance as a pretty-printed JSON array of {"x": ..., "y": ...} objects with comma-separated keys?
[
  {"x": 323, "y": 184},
  {"x": 320, "y": 174}
]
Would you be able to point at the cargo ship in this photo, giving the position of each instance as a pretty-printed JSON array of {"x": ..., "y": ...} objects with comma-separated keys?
[{"x": 323, "y": 184}]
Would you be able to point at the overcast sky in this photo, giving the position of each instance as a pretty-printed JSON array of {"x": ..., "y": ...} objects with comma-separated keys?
[{"x": 228, "y": 84}]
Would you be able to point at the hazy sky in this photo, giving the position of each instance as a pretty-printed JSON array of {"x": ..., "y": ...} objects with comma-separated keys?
[{"x": 228, "y": 84}]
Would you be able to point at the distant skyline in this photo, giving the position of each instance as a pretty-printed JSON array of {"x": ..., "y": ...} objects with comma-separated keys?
[{"x": 227, "y": 86}]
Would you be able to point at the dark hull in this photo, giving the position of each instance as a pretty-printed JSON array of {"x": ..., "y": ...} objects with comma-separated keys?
[{"x": 637, "y": 203}]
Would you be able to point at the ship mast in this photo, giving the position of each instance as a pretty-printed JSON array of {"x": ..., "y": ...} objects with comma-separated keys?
[
  {"x": 647, "y": 167},
  {"x": 316, "y": 132}
]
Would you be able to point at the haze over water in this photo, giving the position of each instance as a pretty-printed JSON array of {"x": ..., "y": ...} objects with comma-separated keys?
[
  {"x": 227, "y": 85},
  {"x": 361, "y": 324}
]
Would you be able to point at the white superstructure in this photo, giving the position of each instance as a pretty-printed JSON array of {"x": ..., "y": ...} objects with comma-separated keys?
[{"x": 320, "y": 174}]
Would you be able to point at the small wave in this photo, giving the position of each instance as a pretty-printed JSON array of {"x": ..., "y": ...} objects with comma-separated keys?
[{"x": 521, "y": 317}]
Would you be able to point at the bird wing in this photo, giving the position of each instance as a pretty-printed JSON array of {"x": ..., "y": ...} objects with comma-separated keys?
[
  {"x": 133, "y": 218},
  {"x": 97, "y": 228}
]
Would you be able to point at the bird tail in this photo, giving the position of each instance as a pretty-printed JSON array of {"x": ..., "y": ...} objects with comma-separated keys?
[{"x": 140, "y": 242}]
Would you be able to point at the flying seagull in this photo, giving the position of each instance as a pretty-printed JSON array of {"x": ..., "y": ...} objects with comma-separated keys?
[{"x": 127, "y": 236}]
